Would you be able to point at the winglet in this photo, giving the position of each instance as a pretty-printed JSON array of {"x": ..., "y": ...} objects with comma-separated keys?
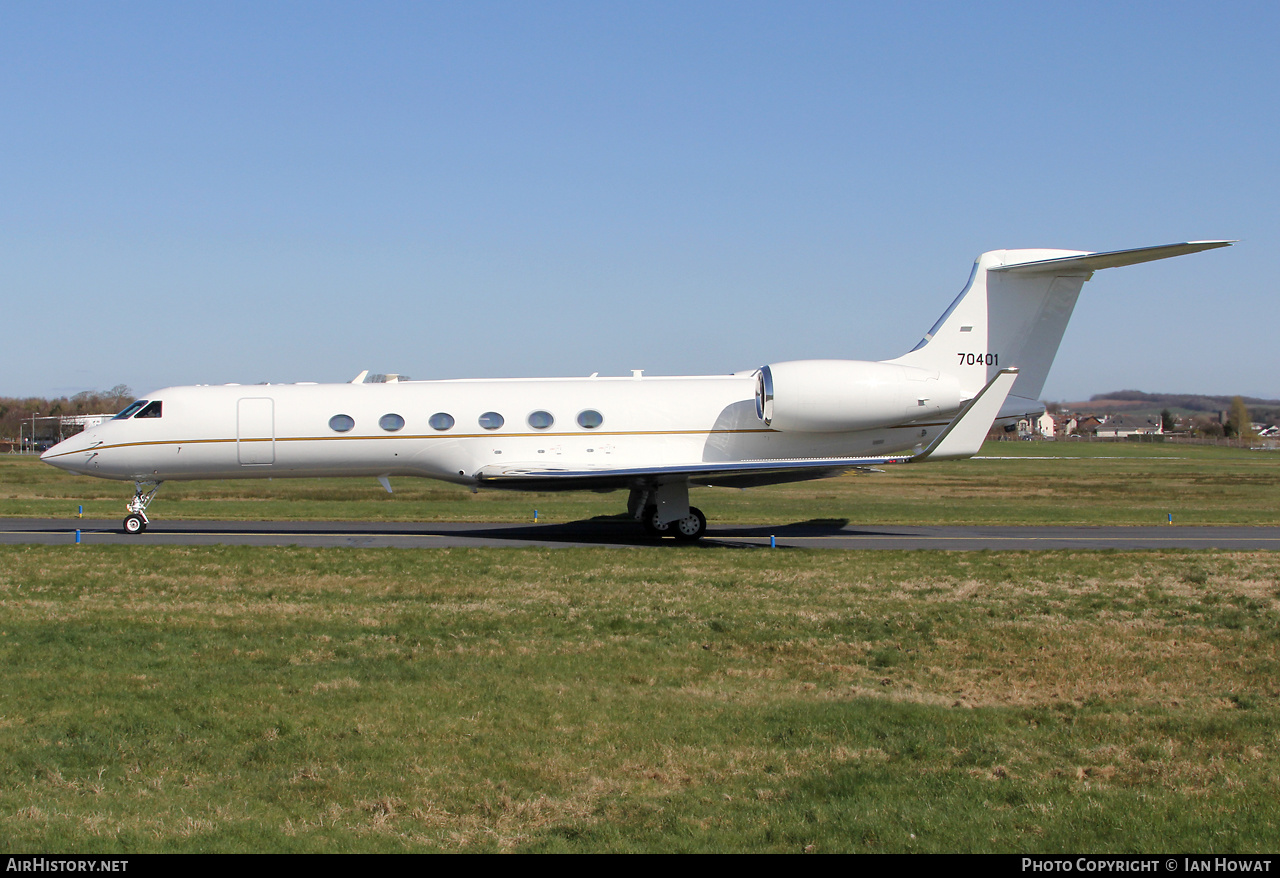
[{"x": 963, "y": 437}]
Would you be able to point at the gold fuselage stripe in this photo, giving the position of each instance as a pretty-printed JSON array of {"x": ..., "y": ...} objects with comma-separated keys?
[{"x": 448, "y": 435}]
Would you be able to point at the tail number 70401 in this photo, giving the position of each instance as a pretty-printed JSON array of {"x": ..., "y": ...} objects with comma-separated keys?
[{"x": 979, "y": 359}]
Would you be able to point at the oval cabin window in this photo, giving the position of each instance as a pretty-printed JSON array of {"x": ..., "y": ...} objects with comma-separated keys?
[{"x": 341, "y": 423}]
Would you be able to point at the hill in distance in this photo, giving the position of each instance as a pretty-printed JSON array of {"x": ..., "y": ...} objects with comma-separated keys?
[{"x": 1138, "y": 402}]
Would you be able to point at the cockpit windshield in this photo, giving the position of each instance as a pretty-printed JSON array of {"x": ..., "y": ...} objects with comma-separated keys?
[
  {"x": 151, "y": 411},
  {"x": 130, "y": 410}
]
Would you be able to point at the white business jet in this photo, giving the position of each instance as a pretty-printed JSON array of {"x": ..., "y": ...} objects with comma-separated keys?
[{"x": 985, "y": 359}]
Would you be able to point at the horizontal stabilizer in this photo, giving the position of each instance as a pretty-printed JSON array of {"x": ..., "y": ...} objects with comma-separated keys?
[{"x": 1114, "y": 259}]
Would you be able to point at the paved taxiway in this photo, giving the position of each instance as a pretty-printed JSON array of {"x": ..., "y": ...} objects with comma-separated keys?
[{"x": 817, "y": 534}]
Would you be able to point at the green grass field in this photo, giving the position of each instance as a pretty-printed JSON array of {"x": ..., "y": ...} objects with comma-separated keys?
[
  {"x": 1038, "y": 483},
  {"x": 234, "y": 699}
]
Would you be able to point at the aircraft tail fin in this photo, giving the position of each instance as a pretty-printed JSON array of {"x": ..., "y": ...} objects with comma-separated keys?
[{"x": 1013, "y": 313}]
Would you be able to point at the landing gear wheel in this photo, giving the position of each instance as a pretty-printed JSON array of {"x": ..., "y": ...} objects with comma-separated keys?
[
  {"x": 143, "y": 493},
  {"x": 691, "y": 527},
  {"x": 650, "y": 521}
]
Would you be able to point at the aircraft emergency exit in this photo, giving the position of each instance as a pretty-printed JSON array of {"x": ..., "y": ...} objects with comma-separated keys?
[{"x": 986, "y": 358}]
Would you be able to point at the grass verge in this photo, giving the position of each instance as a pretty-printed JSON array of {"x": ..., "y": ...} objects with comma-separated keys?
[{"x": 291, "y": 699}]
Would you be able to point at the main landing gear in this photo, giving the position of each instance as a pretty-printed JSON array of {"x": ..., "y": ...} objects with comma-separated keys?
[
  {"x": 664, "y": 510},
  {"x": 688, "y": 529},
  {"x": 143, "y": 493}
]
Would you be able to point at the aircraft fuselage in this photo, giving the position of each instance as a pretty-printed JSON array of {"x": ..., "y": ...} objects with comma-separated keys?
[{"x": 281, "y": 431}]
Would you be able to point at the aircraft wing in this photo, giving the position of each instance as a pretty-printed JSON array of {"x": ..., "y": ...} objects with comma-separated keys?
[
  {"x": 961, "y": 438},
  {"x": 734, "y": 474}
]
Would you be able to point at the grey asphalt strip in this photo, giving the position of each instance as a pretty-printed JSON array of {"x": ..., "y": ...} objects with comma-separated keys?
[{"x": 818, "y": 534}]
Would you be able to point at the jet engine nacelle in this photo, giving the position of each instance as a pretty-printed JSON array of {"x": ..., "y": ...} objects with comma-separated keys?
[{"x": 827, "y": 396}]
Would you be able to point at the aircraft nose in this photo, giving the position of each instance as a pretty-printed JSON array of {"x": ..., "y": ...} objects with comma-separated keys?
[
  {"x": 61, "y": 455},
  {"x": 50, "y": 455}
]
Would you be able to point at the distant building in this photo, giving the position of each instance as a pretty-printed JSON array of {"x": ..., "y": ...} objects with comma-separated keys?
[
  {"x": 1033, "y": 426},
  {"x": 1088, "y": 425},
  {"x": 84, "y": 422},
  {"x": 1120, "y": 426}
]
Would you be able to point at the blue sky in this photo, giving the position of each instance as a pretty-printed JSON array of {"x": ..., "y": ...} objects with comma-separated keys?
[{"x": 244, "y": 192}]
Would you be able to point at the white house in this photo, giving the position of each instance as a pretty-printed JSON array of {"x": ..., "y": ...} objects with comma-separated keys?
[{"x": 1120, "y": 426}]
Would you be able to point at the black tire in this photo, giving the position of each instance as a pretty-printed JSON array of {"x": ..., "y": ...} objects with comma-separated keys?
[
  {"x": 690, "y": 528},
  {"x": 134, "y": 524},
  {"x": 649, "y": 518}
]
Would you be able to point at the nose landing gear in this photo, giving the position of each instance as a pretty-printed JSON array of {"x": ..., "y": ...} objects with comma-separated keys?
[{"x": 143, "y": 493}]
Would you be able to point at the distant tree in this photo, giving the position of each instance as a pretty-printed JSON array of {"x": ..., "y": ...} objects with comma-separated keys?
[
  {"x": 1238, "y": 422},
  {"x": 1167, "y": 421},
  {"x": 1210, "y": 429}
]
